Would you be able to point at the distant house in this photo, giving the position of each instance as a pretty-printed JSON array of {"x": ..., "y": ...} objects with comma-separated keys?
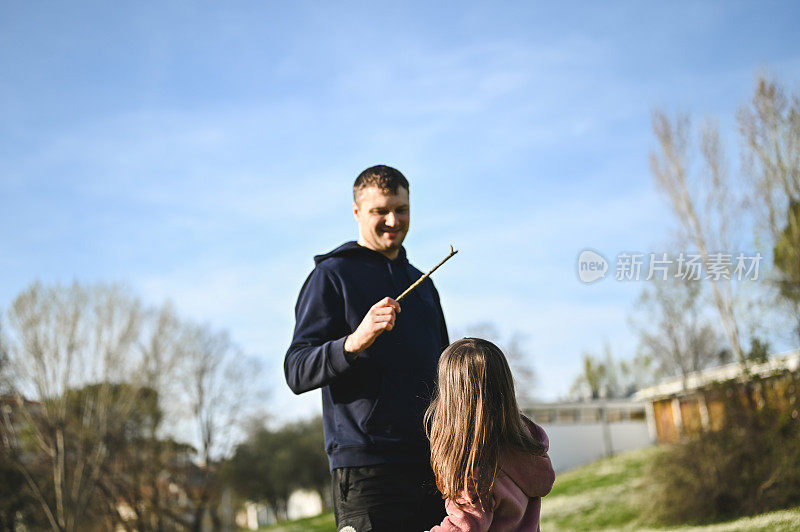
[
  {"x": 680, "y": 406},
  {"x": 301, "y": 503},
  {"x": 581, "y": 432},
  {"x": 590, "y": 411}
]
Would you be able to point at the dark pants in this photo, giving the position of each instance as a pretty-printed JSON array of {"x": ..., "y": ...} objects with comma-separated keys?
[{"x": 386, "y": 498}]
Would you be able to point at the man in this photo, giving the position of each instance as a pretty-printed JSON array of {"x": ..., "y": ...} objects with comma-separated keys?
[{"x": 375, "y": 363}]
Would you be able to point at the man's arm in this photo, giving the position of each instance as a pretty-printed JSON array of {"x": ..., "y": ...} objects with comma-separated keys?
[
  {"x": 316, "y": 355},
  {"x": 321, "y": 349}
]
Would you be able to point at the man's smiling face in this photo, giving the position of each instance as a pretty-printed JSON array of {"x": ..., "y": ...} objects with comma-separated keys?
[{"x": 383, "y": 219}]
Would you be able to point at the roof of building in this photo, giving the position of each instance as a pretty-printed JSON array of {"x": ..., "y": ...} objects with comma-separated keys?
[
  {"x": 789, "y": 360},
  {"x": 592, "y": 403}
]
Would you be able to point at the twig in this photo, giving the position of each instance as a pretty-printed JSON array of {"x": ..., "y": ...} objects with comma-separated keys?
[{"x": 419, "y": 281}]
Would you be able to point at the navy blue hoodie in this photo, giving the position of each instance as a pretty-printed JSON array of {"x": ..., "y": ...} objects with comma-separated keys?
[{"x": 372, "y": 408}]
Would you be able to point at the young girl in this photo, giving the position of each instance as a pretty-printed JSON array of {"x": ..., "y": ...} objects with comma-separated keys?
[{"x": 490, "y": 462}]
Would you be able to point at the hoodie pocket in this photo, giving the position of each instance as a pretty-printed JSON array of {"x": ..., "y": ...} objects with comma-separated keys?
[
  {"x": 354, "y": 398},
  {"x": 396, "y": 414},
  {"x": 367, "y": 421},
  {"x": 376, "y": 425}
]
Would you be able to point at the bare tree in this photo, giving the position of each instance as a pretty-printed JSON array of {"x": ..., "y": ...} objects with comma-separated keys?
[
  {"x": 770, "y": 128},
  {"x": 673, "y": 332},
  {"x": 606, "y": 377},
  {"x": 704, "y": 203},
  {"x": 59, "y": 339},
  {"x": 145, "y": 469},
  {"x": 93, "y": 371},
  {"x": 5, "y": 367},
  {"x": 635, "y": 374},
  {"x": 160, "y": 348},
  {"x": 218, "y": 383}
]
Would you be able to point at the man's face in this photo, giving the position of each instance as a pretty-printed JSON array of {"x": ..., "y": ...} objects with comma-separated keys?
[{"x": 383, "y": 219}]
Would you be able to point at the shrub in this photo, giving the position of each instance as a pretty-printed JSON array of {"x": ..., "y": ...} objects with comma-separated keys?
[{"x": 750, "y": 465}]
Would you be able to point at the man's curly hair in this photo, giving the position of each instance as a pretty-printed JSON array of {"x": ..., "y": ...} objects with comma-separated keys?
[{"x": 384, "y": 177}]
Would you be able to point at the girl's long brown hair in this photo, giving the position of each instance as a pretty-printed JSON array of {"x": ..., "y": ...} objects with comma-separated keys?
[{"x": 473, "y": 419}]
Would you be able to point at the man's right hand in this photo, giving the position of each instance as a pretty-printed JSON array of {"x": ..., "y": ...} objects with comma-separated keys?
[{"x": 379, "y": 318}]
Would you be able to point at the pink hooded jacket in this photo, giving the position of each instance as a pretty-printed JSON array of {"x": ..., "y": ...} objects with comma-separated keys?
[{"x": 516, "y": 497}]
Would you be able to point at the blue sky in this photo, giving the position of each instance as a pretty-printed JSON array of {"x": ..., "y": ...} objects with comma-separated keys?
[{"x": 204, "y": 152}]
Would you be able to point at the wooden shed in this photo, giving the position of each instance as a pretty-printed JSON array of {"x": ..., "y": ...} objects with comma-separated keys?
[{"x": 681, "y": 406}]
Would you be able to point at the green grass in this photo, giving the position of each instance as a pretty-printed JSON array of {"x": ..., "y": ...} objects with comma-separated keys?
[
  {"x": 610, "y": 495},
  {"x": 321, "y": 523},
  {"x": 605, "y": 495}
]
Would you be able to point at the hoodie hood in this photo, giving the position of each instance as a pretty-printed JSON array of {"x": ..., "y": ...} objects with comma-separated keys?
[
  {"x": 532, "y": 473},
  {"x": 354, "y": 248}
]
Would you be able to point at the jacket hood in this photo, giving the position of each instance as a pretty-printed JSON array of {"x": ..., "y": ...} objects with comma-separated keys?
[
  {"x": 533, "y": 474},
  {"x": 353, "y": 248}
]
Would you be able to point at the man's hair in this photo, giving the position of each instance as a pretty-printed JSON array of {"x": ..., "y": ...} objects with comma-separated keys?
[{"x": 384, "y": 177}]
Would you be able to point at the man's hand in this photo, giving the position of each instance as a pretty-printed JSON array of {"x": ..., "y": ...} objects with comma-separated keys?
[{"x": 380, "y": 318}]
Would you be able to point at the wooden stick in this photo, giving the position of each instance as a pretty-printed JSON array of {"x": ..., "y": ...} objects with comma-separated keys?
[{"x": 419, "y": 281}]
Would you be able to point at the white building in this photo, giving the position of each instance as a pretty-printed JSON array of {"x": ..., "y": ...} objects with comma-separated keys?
[{"x": 582, "y": 432}]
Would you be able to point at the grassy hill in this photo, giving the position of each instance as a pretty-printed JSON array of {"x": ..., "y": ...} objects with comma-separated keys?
[
  {"x": 608, "y": 495},
  {"x": 605, "y": 495}
]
